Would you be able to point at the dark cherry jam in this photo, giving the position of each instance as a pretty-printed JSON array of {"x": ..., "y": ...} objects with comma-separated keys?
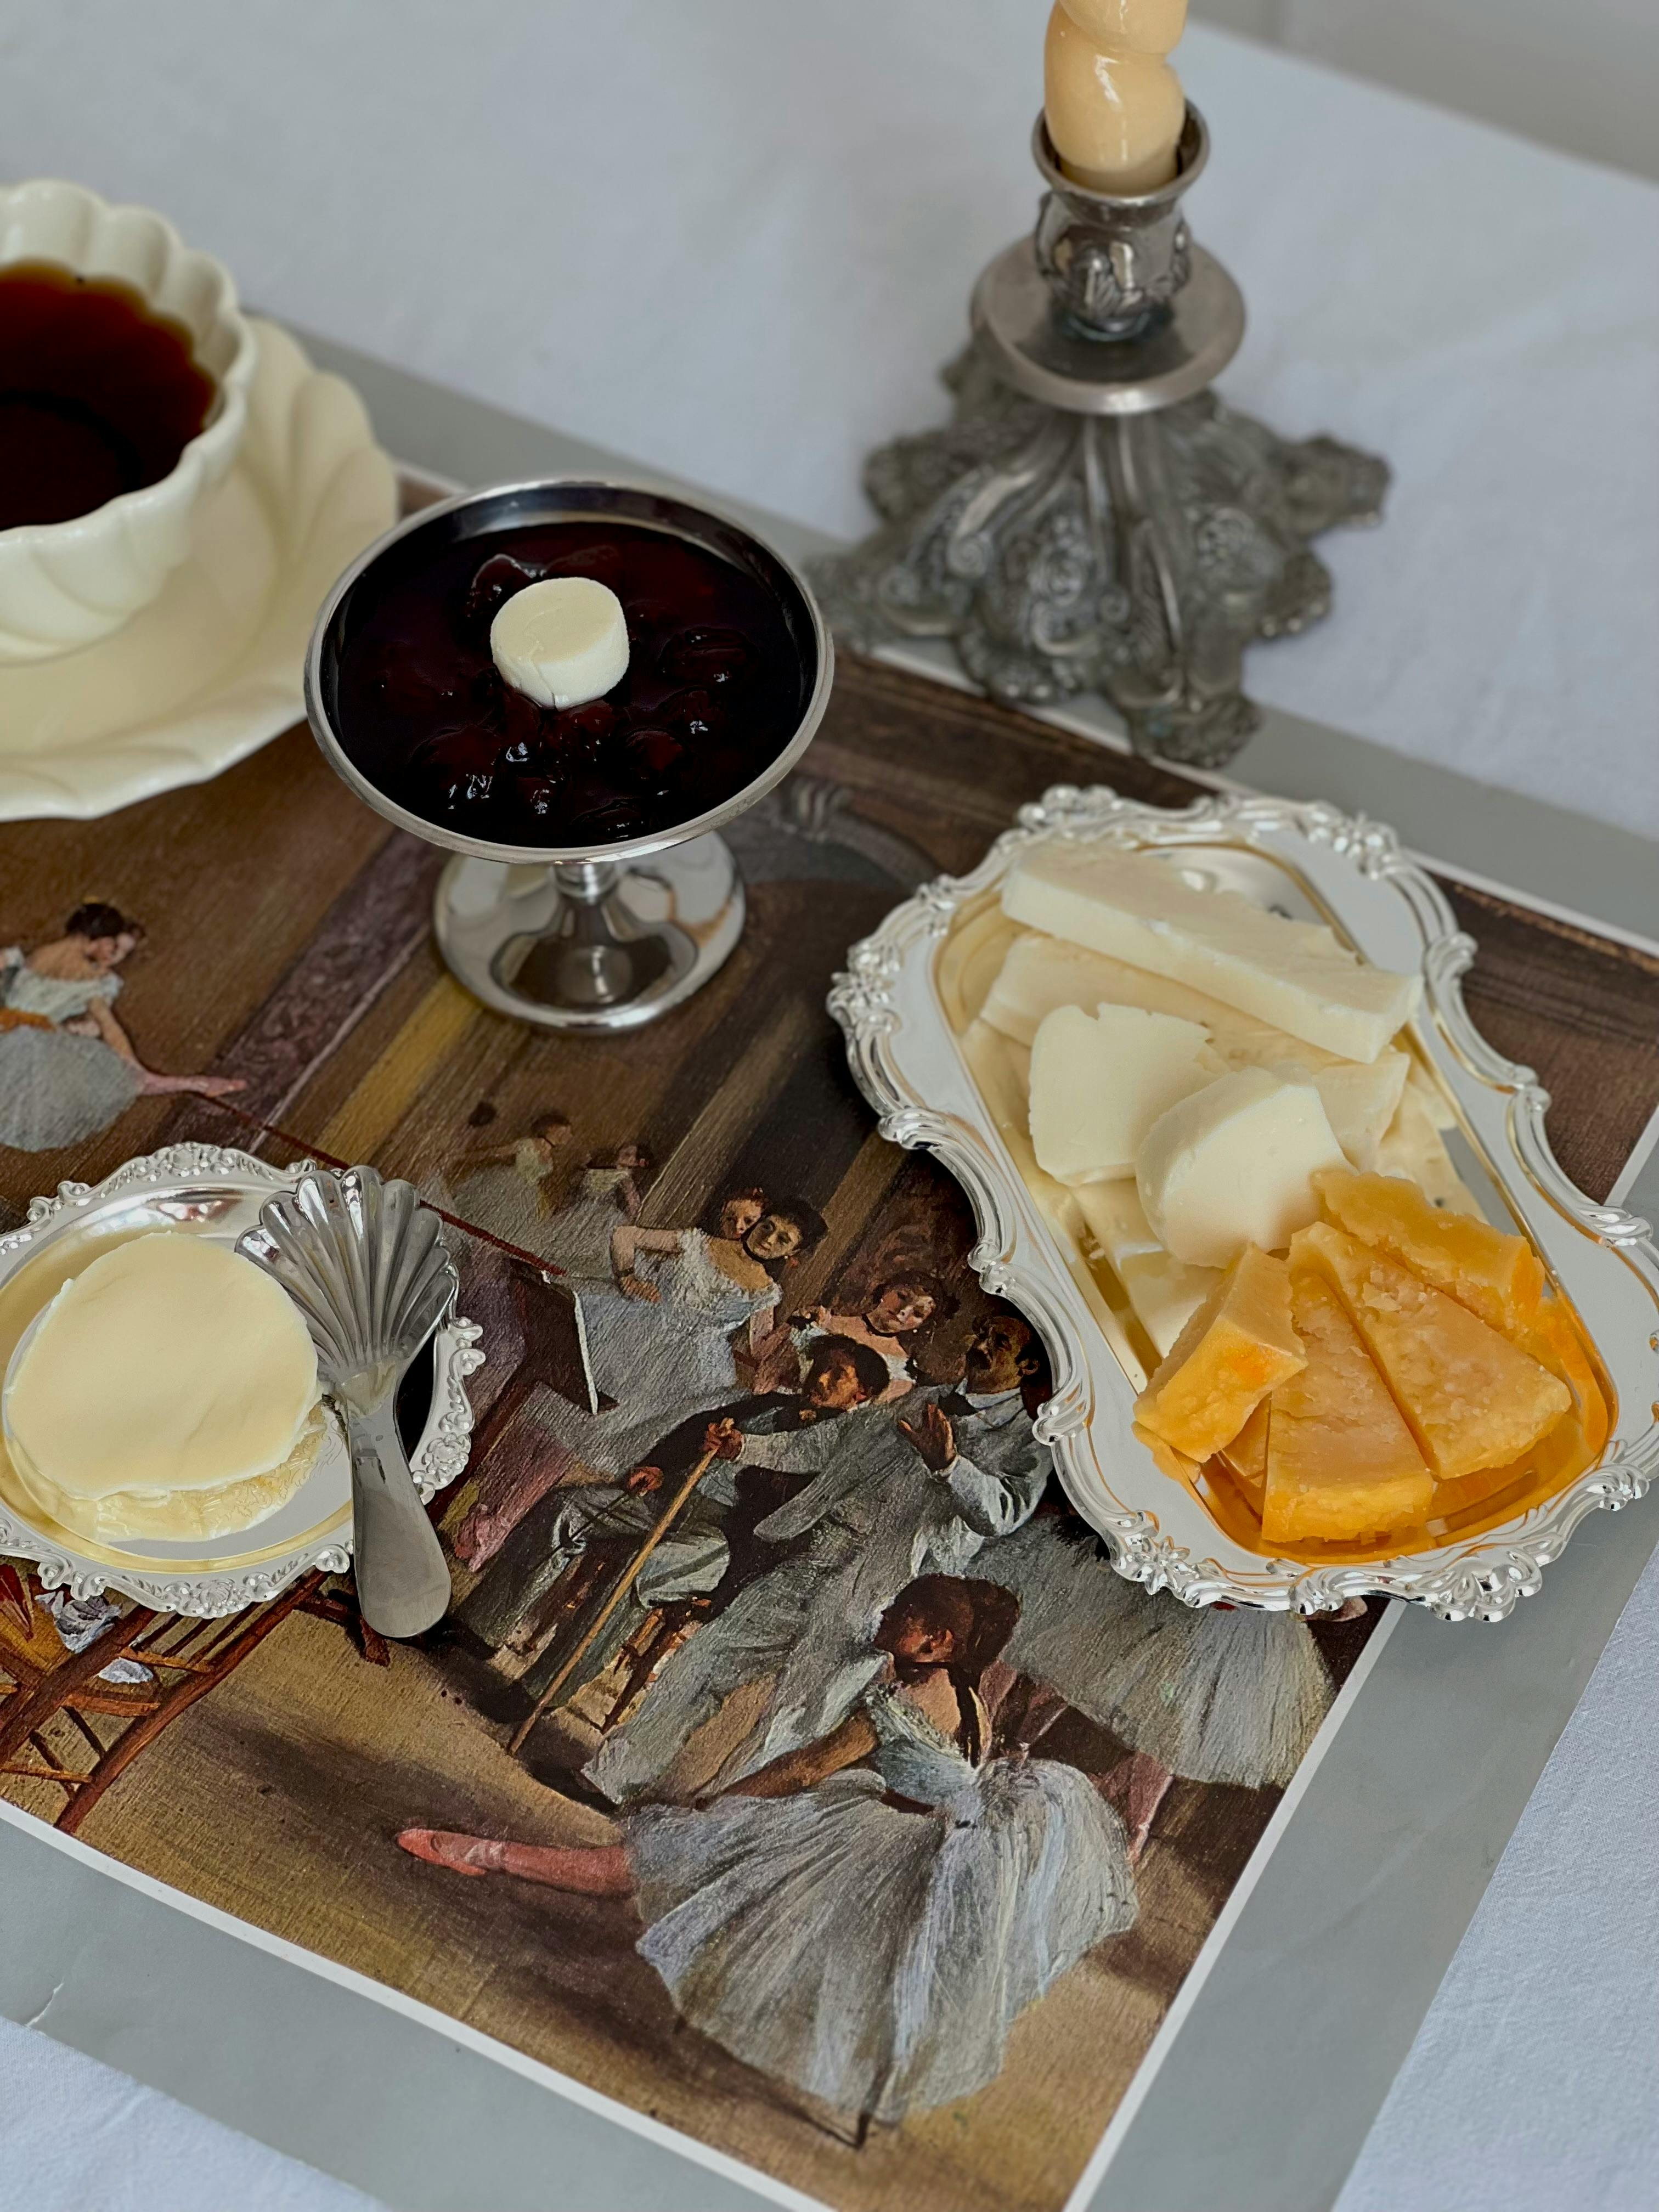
[{"x": 712, "y": 692}]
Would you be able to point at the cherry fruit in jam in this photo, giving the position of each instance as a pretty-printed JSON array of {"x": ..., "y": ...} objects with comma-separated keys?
[
  {"x": 712, "y": 694},
  {"x": 706, "y": 653}
]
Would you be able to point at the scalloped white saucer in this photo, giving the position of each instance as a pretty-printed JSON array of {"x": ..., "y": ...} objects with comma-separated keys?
[{"x": 211, "y": 670}]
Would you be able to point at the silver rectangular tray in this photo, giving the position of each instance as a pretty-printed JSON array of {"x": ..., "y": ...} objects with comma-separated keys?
[{"x": 1314, "y": 863}]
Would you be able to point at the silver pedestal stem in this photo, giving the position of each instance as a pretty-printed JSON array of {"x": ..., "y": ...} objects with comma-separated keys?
[{"x": 1093, "y": 519}]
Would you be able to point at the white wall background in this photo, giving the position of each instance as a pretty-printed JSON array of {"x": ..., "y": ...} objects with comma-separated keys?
[{"x": 1579, "y": 74}]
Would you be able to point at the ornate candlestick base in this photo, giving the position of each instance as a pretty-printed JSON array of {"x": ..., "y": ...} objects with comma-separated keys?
[{"x": 1093, "y": 519}]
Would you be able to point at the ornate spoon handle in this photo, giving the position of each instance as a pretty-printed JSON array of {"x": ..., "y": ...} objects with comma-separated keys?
[{"x": 403, "y": 1580}]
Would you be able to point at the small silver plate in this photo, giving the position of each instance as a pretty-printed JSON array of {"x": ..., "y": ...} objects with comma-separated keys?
[
  {"x": 207, "y": 1190},
  {"x": 1315, "y": 863}
]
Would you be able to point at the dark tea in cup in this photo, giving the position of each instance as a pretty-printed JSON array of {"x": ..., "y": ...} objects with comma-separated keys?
[{"x": 99, "y": 394}]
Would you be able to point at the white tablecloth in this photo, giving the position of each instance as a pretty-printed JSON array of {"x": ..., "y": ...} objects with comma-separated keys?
[
  {"x": 1534, "y": 2083},
  {"x": 75, "y": 2137},
  {"x": 736, "y": 238}
]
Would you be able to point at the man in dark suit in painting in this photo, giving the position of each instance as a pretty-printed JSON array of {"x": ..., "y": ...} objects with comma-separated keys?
[
  {"x": 604, "y": 1523},
  {"x": 892, "y": 1493}
]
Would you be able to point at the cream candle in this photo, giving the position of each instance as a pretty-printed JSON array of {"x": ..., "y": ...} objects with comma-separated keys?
[{"x": 1114, "y": 106}]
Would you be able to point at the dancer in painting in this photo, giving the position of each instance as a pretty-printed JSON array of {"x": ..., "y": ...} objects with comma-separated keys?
[
  {"x": 894, "y": 1494},
  {"x": 866, "y": 1916},
  {"x": 515, "y": 1191},
  {"x": 68, "y": 1069},
  {"x": 693, "y": 1559},
  {"x": 662, "y": 1336},
  {"x": 709, "y": 1560},
  {"x": 608, "y": 1196},
  {"x": 890, "y": 1320},
  {"x": 1206, "y": 1693}
]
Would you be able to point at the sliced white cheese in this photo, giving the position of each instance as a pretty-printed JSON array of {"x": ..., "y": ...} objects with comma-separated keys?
[
  {"x": 1136, "y": 907},
  {"x": 1040, "y": 973},
  {"x": 1233, "y": 1165},
  {"x": 562, "y": 642},
  {"x": 1164, "y": 1292},
  {"x": 169, "y": 1364},
  {"x": 1360, "y": 1099},
  {"x": 1413, "y": 1146},
  {"x": 1430, "y": 1096},
  {"x": 970, "y": 961},
  {"x": 1000, "y": 1070},
  {"x": 1114, "y": 1223},
  {"x": 1099, "y": 1082}
]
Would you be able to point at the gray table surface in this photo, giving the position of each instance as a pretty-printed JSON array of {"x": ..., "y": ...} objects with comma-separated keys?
[
  {"x": 390, "y": 173},
  {"x": 1271, "y": 2080}
]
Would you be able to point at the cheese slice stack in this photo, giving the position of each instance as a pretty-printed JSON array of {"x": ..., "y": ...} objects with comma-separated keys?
[
  {"x": 1294, "y": 974},
  {"x": 1494, "y": 1274},
  {"x": 1339, "y": 1461},
  {"x": 1472, "y": 1400},
  {"x": 169, "y": 1390},
  {"x": 1041, "y": 976}
]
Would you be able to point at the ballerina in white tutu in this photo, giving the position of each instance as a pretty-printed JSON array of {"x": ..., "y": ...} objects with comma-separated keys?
[
  {"x": 663, "y": 1334},
  {"x": 1212, "y": 1693},
  {"x": 866, "y": 1916},
  {"x": 68, "y": 1069}
]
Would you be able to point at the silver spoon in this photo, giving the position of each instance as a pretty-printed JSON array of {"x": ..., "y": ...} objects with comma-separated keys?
[{"x": 367, "y": 1265}]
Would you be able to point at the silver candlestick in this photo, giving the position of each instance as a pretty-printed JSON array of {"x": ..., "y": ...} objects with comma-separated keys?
[{"x": 1093, "y": 518}]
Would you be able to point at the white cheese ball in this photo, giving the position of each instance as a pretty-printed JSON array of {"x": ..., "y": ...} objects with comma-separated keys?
[{"x": 561, "y": 642}]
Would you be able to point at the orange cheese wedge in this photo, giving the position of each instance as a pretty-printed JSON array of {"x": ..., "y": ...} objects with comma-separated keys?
[
  {"x": 1342, "y": 1463},
  {"x": 1497, "y": 1276},
  {"x": 1553, "y": 1342},
  {"x": 1168, "y": 1461},
  {"x": 1560, "y": 1454},
  {"x": 1246, "y": 1456},
  {"x": 1236, "y": 1347},
  {"x": 1471, "y": 1398}
]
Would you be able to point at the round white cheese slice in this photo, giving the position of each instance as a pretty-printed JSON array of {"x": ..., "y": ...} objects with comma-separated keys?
[
  {"x": 170, "y": 1365},
  {"x": 561, "y": 642},
  {"x": 1233, "y": 1164},
  {"x": 1099, "y": 1082}
]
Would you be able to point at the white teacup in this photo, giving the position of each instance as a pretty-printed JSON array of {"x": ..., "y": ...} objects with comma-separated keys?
[{"x": 63, "y": 584}]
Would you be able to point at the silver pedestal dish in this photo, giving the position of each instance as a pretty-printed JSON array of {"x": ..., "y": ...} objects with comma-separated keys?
[
  {"x": 595, "y": 938},
  {"x": 1094, "y": 518}
]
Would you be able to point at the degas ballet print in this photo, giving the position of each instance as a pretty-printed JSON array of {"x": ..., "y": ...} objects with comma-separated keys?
[
  {"x": 791, "y": 1767},
  {"x": 68, "y": 1068}
]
